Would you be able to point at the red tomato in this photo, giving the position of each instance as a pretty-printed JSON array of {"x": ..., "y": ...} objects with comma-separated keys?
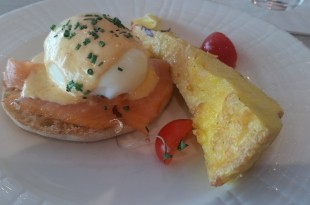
[
  {"x": 219, "y": 44},
  {"x": 171, "y": 137}
]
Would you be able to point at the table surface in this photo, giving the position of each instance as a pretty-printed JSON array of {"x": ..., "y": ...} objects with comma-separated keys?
[{"x": 296, "y": 20}]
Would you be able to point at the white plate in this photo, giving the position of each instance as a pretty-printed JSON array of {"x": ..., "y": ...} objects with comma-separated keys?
[{"x": 35, "y": 170}]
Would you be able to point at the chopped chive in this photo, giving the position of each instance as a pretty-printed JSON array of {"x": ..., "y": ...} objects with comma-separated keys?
[
  {"x": 126, "y": 108},
  {"x": 86, "y": 41},
  {"x": 78, "y": 87},
  {"x": 98, "y": 18},
  {"x": 147, "y": 129},
  {"x": 69, "y": 86},
  {"x": 78, "y": 46},
  {"x": 128, "y": 35},
  {"x": 90, "y": 55},
  {"x": 100, "y": 64},
  {"x": 94, "y": 21},
  {"x": 66, "y": 33},
  {"x": 76, "y": 25},
  {"x": 101, "y": 43},
  {"x": 120, "y": 69},
  {"x": 97, "y": 28},
  {"x": 88, "y": 15},
  {"x": 115, "y": 21},
  {"x": 83, "y": 27},
  {"x": 86, "y": 92},
  {"x": 53, "y": 27},
  {"x": 94, "y": 59},
  {"x": 71, "y": 35},
  {"x": 95, "y": 36},
  {"x": 90, "y": 71},
  {"x": 68, "y": 22}
]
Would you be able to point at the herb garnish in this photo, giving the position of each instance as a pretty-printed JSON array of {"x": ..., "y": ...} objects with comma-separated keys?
[
  {"x": 126, "y": 108},
  {"x": 83, "y": 27},
  {"x": 116, "y": 112},
  {"x": 78, "y": 46},
  {"x": 86, "y": 41},
  {"x": 147, "y": 129},
  {"x": 120, "y": 69},
  {"x": 115, "y": 21},
  {"x": 53, "y": 27},
  {"x": 182, "y": 145},
  {"x": 94, "y": 59},
  {"x": 101, "y": 43},
  {"x": 72, "y": 84},
  {"x": 90, "y": 55},
  {"x": 76, "y": 25},
  {"x": 90, "y": 71}
]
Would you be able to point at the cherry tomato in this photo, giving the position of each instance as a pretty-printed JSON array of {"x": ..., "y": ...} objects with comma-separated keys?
[
  {"x": 171, "y": 137},
  {"x": 219, "y": 44}
]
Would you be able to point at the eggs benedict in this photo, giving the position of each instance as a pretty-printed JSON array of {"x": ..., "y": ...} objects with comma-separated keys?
[{"x": 93, "y": 81}]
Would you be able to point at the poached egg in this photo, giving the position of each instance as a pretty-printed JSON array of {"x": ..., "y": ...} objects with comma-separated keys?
[{"x": 91, "y": 54}]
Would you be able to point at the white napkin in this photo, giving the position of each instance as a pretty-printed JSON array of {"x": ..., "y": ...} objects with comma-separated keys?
[{"x": 296, "y": 20}]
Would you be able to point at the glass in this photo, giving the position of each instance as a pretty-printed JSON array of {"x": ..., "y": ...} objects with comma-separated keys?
[{"x": 279, "y": 5}]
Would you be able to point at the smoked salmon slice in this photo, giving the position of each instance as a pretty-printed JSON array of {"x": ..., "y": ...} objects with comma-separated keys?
[{"x": 96, "y": 112}]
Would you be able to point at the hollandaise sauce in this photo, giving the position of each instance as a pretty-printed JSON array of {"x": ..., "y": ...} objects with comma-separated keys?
[{"x": 92, "y": 54}]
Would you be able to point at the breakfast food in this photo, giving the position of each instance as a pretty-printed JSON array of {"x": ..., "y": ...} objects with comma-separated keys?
[
  {"x": 233, "y": 120},
  {"x": 93, "y": 81}
]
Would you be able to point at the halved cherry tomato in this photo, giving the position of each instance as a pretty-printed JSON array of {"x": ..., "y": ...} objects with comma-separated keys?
[
  {"x": 219, "y": 44},
  {"x": 171, "y": 137}
]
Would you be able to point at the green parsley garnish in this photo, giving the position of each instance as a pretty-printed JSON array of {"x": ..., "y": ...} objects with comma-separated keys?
[{"x": 101, "y": 43}]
